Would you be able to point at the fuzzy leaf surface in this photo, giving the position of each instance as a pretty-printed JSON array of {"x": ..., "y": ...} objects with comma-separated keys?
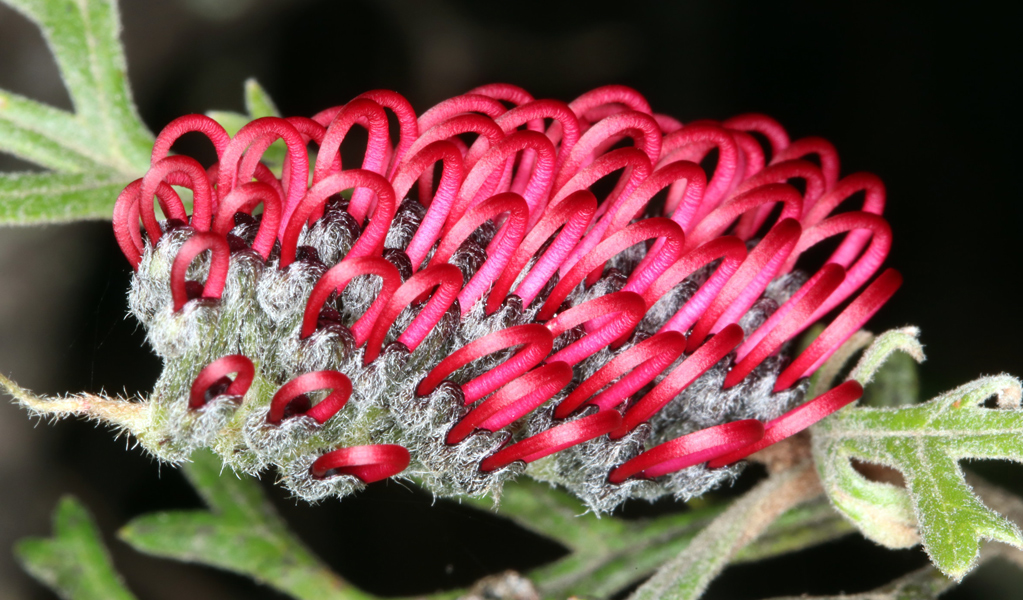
[
  {"x": 926, "y": 444},
  {"x": 74, "y": 562},
  {"x": 29, "y": 198},
  {"x": 241, "y": 533},
  {"x": 103, "y": 141},
  {"x": 258, "y": 101}
]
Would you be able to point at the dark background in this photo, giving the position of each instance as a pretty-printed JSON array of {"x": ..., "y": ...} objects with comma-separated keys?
[{"x": 927, "y": 99}]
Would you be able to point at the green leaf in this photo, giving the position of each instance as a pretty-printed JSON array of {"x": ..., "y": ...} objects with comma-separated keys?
[
  {"x": 925, "y": 443},
  {"x": 44, "y": 135},
  {"x": 896, "y": 383},
  {"x": 37, "y": 198},
  {"x": 73, "y": 563},
  {"x": 241, "y": 533},
  {"x": 903, "y": 340},
  {"x": 94, "y": 151},
  {"x": 258, "y": 102},
  {"x": 83, "y": 36}
]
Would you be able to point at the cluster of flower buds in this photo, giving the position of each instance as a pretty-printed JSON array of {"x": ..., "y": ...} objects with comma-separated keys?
[{"x": 567, "y": 293}]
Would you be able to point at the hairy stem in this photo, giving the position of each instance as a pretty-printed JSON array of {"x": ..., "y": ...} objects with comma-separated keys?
[{"x": 687, "y": 575}]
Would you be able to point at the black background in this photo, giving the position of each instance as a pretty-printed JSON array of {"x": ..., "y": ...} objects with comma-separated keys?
[{"x": 927, "y": 98}]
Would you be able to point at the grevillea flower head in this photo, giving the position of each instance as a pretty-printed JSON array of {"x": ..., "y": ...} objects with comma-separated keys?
[{"x": 512, "y": 285}]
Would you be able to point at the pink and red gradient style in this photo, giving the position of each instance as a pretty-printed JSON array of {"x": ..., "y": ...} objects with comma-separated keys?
[{"x": 528, "y": 166}]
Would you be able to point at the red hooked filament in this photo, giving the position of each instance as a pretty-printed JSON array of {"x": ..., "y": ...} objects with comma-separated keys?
[
  {"x": 868, "y": 263},
  {"x": 372, "y": 239},
  {"x": 732, "y": 252},
  {"x": 408, "y": 125},
  {"x": 571, "y": 215},
  {"x": 337, "y": 279},
  {"x": 553, "y": 440},
  {"x": 641, "y": 127},
  {"x": 126, "y": 217},
  {"x": 688, "y": 450},
  {"x": 525, "y": 167},
  {"x": 776, "y": 135},
  {"x": 796, "y": 420},
  {"x": 609, "y": 95},
  {"x": 500, "y": 249},
  {"x": 156, "y": 176},
  {"x": 439, "y": 206},
  {"x": 243, "y": 199},
  {"x": 289, "y": 394},
  {"x": 678, "y": 380},
  {"x": 643, "y": 362},
  {"x": 368, "y": 463},
  {"x": 219, "y": 264},
  {"x": 693, "y": 143},
  {"x": 851, "y": 319},
  {"x": 625, "y": 309},
  {"x": 497, "y": 157},
  {"x": 372, "y": 116},
  {"x": 268, "y": 129},
  {"x": 749, "y": 281},
  {"x": 682, "y": 212},
  {"x": 188, "y": 124},
  {"x": 824, "y": 150},
  {"x": 215, "y": 373},
  {"x": 513, "y": 401},
  {"x": 795, "y": 315},
  {"x": 646, "y": 229},
  {"x": 536, "y": 341},
  {"x": 445, "y": 281}
]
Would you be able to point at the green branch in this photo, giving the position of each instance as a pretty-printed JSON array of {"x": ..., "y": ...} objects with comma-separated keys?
[
  {"x": 686, "y": 576},
  {"x": 607, "y": 554}
]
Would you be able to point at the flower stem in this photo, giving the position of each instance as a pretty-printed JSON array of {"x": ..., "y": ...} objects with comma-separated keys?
[{"x": 687, "y": 575}]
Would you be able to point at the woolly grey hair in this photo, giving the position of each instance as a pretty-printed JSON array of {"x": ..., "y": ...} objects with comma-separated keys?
[{"x": 260, "y": 315}]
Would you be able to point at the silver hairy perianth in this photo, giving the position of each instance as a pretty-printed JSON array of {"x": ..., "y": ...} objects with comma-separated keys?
[{"x": 260, "y": 316}]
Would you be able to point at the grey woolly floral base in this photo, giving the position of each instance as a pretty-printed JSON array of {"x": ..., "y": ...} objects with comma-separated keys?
[{"x": 260, "y": 315}]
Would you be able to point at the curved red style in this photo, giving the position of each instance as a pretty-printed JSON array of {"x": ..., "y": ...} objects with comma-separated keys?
[
  {"x": 523, "y": 204},
  {"x": 688, "y": 450},
  {"x": 795, "y": 421},
  {"x": 216, "y": 371},
  {"x": 368, "y": 463},
  {"x": 220, "y": 255},
  {"x": 341, "y": 390}
]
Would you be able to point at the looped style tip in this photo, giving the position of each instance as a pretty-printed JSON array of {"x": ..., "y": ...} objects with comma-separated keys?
[{"x": 507, "y": 280}]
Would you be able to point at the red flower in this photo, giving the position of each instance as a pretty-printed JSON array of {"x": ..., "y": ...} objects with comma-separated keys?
[{"x": 562, "y": 317}]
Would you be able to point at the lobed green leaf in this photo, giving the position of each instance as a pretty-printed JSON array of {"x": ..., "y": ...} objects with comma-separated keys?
[
  {"x": 92, "y": 152},
  {"x": 46, "y": 136},
  {"x": 73, "y": 563},
  {"x": 925, "y": 443},
  {"x": 241, "y": 533},
  {"x": 84, "y": 38}
]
